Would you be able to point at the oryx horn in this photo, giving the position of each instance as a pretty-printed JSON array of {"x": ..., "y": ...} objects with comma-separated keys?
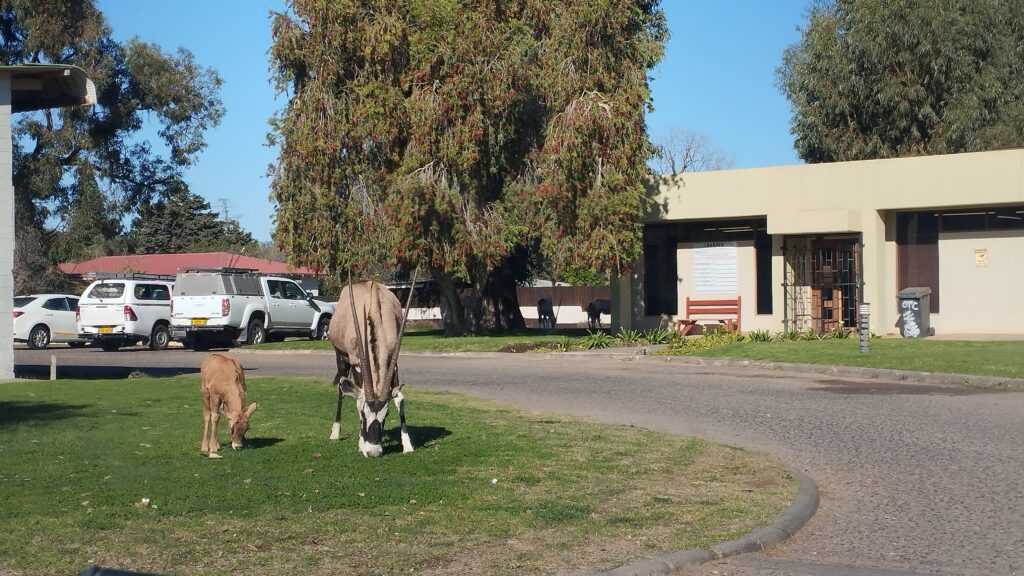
[
  {"x": 364, "y": 352},
  {"x": 393, "y": 365}
]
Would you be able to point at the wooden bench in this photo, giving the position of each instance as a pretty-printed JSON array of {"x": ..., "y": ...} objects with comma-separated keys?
[{"x": 714, "y": 308}]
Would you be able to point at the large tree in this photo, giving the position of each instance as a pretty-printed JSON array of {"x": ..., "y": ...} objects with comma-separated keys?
[
  {"x": 463, "y": 137},
  {"x": 888, "y": 78},
  {"x": 184, "y": 222},
  {"x": 135, "y": 82}
]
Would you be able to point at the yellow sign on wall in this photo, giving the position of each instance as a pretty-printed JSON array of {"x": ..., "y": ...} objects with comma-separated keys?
[{"x": 981, "y": 258}]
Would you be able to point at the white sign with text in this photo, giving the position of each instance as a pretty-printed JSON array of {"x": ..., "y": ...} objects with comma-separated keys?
[{"x": 714, "y": 267}]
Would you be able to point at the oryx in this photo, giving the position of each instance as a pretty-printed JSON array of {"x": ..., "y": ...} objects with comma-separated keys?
[{"x": 366, "y": 332}]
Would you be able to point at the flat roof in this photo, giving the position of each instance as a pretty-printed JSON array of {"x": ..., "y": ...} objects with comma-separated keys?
[{"x": 40, "y": 86}]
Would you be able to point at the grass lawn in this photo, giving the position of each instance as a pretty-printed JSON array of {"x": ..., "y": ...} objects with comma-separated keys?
[
  {"x": 489, "y": 490},
  {"x": 959, "y": 357},
  {"x": 436, "y": 341}
]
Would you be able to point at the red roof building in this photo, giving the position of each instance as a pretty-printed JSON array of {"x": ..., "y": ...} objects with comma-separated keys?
[{"x": 170, "y": 264}]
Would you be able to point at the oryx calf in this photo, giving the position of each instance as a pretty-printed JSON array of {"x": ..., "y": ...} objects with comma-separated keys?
[
  {"x": 222, "y": 385},
  {"x": 366, "y": 332}
]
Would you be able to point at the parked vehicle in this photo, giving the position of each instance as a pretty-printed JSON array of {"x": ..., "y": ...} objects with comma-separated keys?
[
  {"x": 225, "y": 306},
  {"x": 43, "y": 319},
  {"x": 118, "y": 312}
]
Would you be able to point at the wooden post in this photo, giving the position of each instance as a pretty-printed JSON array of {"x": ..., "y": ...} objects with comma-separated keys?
[{"x": 53, "y": 366}]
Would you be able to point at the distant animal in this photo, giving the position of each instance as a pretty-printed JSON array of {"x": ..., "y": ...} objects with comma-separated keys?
[
  {"x": 366, "y": 332},
  {"x": 594, "y": 311},
  {"x": 222, "y": 385},
  {"x": 546, "y": 313}
]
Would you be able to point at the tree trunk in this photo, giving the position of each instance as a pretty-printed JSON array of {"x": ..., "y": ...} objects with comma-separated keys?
[
  {"x": 453, "y": 313},
  {"x": 498, "y": 301}
]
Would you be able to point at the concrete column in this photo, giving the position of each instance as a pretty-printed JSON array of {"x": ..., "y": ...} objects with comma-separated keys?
[
  {"x": 879, "y": 284},
  {"x": 6, "y": 232}
]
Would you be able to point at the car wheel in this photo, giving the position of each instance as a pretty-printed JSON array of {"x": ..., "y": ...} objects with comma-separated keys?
[
  {"x": 321, "y": 329},
  {"x": 160, "y": 338},
  {"x": 39, "y": 337},
  {"x": 255, "y": 334}
]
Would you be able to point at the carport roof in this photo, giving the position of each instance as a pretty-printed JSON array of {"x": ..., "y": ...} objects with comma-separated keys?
[{"x": 39, "y": 86}]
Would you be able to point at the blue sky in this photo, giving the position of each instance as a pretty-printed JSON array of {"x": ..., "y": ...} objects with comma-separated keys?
[{"x": 717, "y": 78}]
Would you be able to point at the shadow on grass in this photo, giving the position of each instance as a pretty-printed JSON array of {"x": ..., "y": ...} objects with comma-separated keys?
[
  {"x": 420, "y": 436},
  {"x": 256, "y": 443},
  {"x": 42, "y": 371},
  {"x": 16, "y": 412}
]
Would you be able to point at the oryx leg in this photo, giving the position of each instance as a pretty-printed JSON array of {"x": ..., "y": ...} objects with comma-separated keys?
[
  {"x": 344, "y": 373},
  {"x": 336, "y": 427},
  {"x": 399, "y": 399}
]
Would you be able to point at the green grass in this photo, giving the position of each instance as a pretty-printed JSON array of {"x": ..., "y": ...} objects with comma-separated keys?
[
  {"x": 436, "y": 341},
  {"x": 489, "y": 490},
  {"x": 1004, "y": 359}
]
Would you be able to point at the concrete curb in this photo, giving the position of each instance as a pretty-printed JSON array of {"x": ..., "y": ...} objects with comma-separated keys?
[
  {"x": 804, "y": 505},
  {"x": 631, "y": 353},
  {"x": 852, "y": 371}
]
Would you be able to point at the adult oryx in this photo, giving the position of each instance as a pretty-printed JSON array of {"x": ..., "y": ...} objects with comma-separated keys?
[{"x": 366, "y": 332}]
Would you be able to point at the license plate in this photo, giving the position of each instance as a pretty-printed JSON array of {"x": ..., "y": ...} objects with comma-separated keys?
[
  {"x": 105, "y": 329},
  {"x": 199, "y": 321}
]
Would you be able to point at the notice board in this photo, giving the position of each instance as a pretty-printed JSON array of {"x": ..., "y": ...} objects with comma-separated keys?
[{"x": 714, "y": 267}]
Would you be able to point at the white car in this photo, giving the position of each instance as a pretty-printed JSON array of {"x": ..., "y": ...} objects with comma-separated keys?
[
  {"x": 42, "y": 319},
  {"x": 124, "y": 311}
]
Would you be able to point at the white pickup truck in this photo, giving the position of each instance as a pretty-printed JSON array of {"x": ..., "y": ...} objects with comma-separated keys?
[{"x": 243, "y": 307}]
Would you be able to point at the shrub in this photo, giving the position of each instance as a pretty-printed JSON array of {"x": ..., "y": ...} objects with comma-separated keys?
[
  {"x": 629, "y": 336},
  {"x": 659, "y": 336},
  {"x": 596, "y": 340},
  {"x": 760, "y": 336}
]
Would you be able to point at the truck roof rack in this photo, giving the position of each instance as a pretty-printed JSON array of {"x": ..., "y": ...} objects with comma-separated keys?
[
  {"x": 130, "y": 276},
  {"x": 224, "y": 270}
]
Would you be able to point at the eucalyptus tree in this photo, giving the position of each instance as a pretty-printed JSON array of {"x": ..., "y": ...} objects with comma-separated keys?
[
  {"x": 887, "y": 78},
  {"x": 135, "y": 81},
  {"x": 462, "y": 136}
]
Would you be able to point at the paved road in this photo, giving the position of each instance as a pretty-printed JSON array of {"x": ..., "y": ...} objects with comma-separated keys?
[{"x": 914, "y": 479}]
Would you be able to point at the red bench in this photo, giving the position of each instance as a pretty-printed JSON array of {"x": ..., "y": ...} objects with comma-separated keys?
[{"x": 717, "y": 309}]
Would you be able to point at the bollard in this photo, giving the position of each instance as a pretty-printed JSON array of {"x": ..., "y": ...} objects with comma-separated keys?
[
  {"x": 53, "y": 366},
  {"x": 864, "y": 329}
]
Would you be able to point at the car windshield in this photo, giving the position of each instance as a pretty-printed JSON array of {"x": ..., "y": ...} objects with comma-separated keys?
[
  {"x": 106, "y": 291},
  {"x": 20, "y": 301}
]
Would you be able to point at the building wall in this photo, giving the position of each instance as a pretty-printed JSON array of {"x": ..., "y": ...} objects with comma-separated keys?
[
  {"x": 6, "y": 233},
  {"x": 848, "y": 197},
  {"x": 746, "y": 283},
  {"x": 981, "y": 299}
]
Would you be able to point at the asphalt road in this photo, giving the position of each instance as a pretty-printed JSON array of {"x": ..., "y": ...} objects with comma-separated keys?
[{"x": 913, "y": 478}]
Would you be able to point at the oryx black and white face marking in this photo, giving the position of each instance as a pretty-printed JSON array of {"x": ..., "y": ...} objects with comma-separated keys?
[{"x": 372, "y": 414}]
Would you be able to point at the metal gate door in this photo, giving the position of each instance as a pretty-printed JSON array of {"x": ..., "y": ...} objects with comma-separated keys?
[{"x": 823, "y": 282}]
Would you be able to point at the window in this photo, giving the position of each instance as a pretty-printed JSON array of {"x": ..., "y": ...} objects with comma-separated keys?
[
  {"x": 105, "y": 290},
  {"x": 274, "y": 287},
  {"x": 72, "y": 303},
  {"x": 661, "y": 288},
  {"x": 293, "y": 292},
  {"x": 59, "y": 304},
  {"x": 152, "y": 292},
  {"x": 22, "y": 301},
  {"x": 763, "y": 265}
]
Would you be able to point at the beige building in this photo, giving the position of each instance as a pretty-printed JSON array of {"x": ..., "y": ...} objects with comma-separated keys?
[{"x": 805, "y": 245}]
